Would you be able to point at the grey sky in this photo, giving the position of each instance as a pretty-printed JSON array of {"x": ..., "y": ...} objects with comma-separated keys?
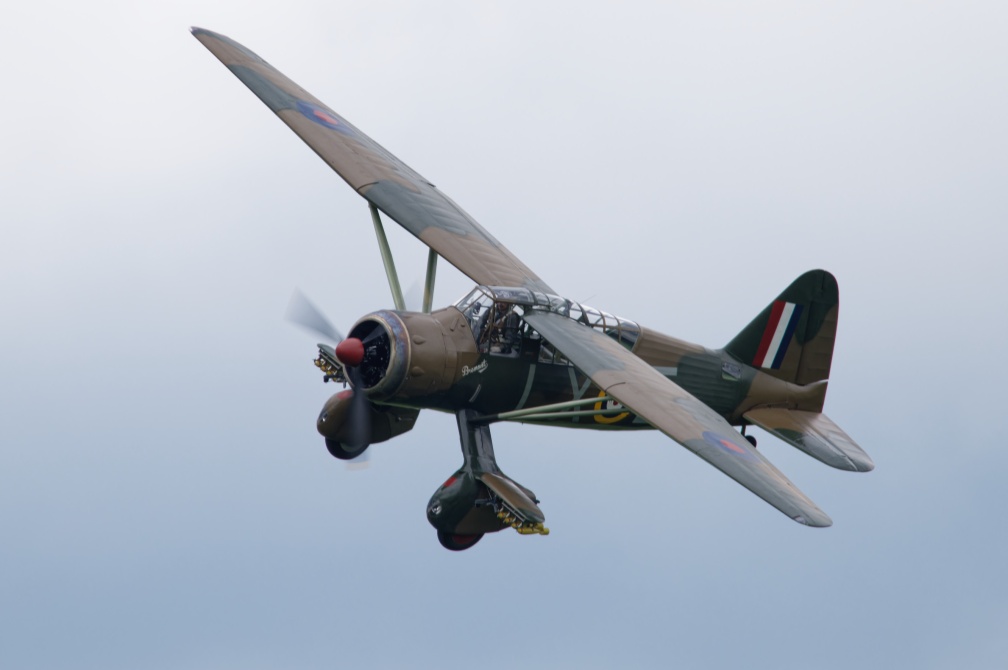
[{"x": 165, "y": 501}]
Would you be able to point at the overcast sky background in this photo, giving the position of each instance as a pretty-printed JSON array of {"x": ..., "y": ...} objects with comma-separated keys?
[{"x": 165, "y": 501}]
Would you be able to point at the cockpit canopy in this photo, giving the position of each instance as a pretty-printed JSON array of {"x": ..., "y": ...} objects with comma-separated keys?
[{"x": 486, "y": 304}]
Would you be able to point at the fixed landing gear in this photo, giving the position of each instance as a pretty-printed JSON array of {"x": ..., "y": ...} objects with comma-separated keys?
[
  {"x": 478, "y": 498},
  {"x": 456, "y": 542}
]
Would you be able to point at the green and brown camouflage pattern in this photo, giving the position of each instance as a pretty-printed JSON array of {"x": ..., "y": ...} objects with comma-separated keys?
[
  {"x": 815, "y": 434},
  {"x": 773, "y": 373},
  {"x": 810, "y": 353},
  {"x": 381, "y": 178}
]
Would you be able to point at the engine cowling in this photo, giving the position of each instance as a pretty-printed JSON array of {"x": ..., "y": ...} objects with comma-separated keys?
[
  {"x": 410, "y": 354},
  {"x": 406, "y": 355}
]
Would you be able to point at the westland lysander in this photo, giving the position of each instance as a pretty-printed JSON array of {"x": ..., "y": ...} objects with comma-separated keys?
[{"x": 514, "y": 350}]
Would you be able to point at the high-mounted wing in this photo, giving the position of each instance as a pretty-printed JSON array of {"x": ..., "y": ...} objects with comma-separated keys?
[
  {"x": 377, "y": 175},
  {"x": 678, "y": 414}
]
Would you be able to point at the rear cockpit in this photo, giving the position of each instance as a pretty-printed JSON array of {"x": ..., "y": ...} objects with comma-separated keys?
[{"x": 495, "y": 315}]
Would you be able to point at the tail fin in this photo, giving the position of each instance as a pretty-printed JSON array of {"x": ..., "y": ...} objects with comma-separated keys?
[{"x": 792, "y": 339}]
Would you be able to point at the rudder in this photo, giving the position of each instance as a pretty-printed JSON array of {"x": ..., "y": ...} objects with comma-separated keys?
[{"x": 792, "y": 338}]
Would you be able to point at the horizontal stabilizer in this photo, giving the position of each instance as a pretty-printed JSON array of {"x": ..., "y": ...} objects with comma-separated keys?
[{"x": 815, "y": 434}]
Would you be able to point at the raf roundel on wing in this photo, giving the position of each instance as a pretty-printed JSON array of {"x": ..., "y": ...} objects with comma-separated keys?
[
  {"x": 724, "y": 444},
  {"x": 321, "y": 116}
]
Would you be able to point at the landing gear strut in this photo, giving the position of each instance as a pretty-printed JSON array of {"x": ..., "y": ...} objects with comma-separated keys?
[{"x": 478, "y": 498}]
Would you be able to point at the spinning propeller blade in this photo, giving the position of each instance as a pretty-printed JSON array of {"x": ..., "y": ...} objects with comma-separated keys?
[
  {"x": 350, "y": 353},
  {"x": 358, "y": 427},
  {"x": 301, "y": 311}
]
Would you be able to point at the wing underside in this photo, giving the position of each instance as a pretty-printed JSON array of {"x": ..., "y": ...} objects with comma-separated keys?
[
  {"x": 675, "y": 412},
  {"x": 377, "y": 175}
]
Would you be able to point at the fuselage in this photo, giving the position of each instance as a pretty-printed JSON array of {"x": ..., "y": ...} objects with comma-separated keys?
[{"x": 493, "y": 373}]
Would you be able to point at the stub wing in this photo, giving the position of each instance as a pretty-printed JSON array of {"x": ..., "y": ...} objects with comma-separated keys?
[
  {"x": 815, "y": 434},
  {"x": 377, "y": 175},
  {"x": 675, "y": 412},
  {"x": 513, "y": 497}
]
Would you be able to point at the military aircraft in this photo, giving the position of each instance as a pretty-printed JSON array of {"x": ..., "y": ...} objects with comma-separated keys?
[{"x": 514, "y": 350}]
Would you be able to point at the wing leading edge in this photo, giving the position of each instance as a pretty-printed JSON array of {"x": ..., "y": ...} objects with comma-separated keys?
[
  {"x": 377, "y": 175},
  {"x": 675, "y": 412}
]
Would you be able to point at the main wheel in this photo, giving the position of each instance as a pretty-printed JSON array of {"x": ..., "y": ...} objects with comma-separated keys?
[
  {"x": 341, "y": 451},
  {"x": 456, "y": 542},
  {"x": 752, "y": 440}
]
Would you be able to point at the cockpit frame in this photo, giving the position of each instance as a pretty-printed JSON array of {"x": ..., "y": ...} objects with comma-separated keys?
[{"x": 487, "y": 308}]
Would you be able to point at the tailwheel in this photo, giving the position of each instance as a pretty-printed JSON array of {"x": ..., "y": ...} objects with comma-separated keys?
[
  {"x": 456, "y": 541},
  {"x": 749, "y": 438}
]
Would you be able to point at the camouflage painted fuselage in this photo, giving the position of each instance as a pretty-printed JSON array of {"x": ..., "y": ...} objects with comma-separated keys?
[{"x": 492, "y": 383}]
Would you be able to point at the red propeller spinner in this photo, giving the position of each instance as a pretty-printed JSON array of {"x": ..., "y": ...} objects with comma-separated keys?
[{"x": 350, "y": 352}]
